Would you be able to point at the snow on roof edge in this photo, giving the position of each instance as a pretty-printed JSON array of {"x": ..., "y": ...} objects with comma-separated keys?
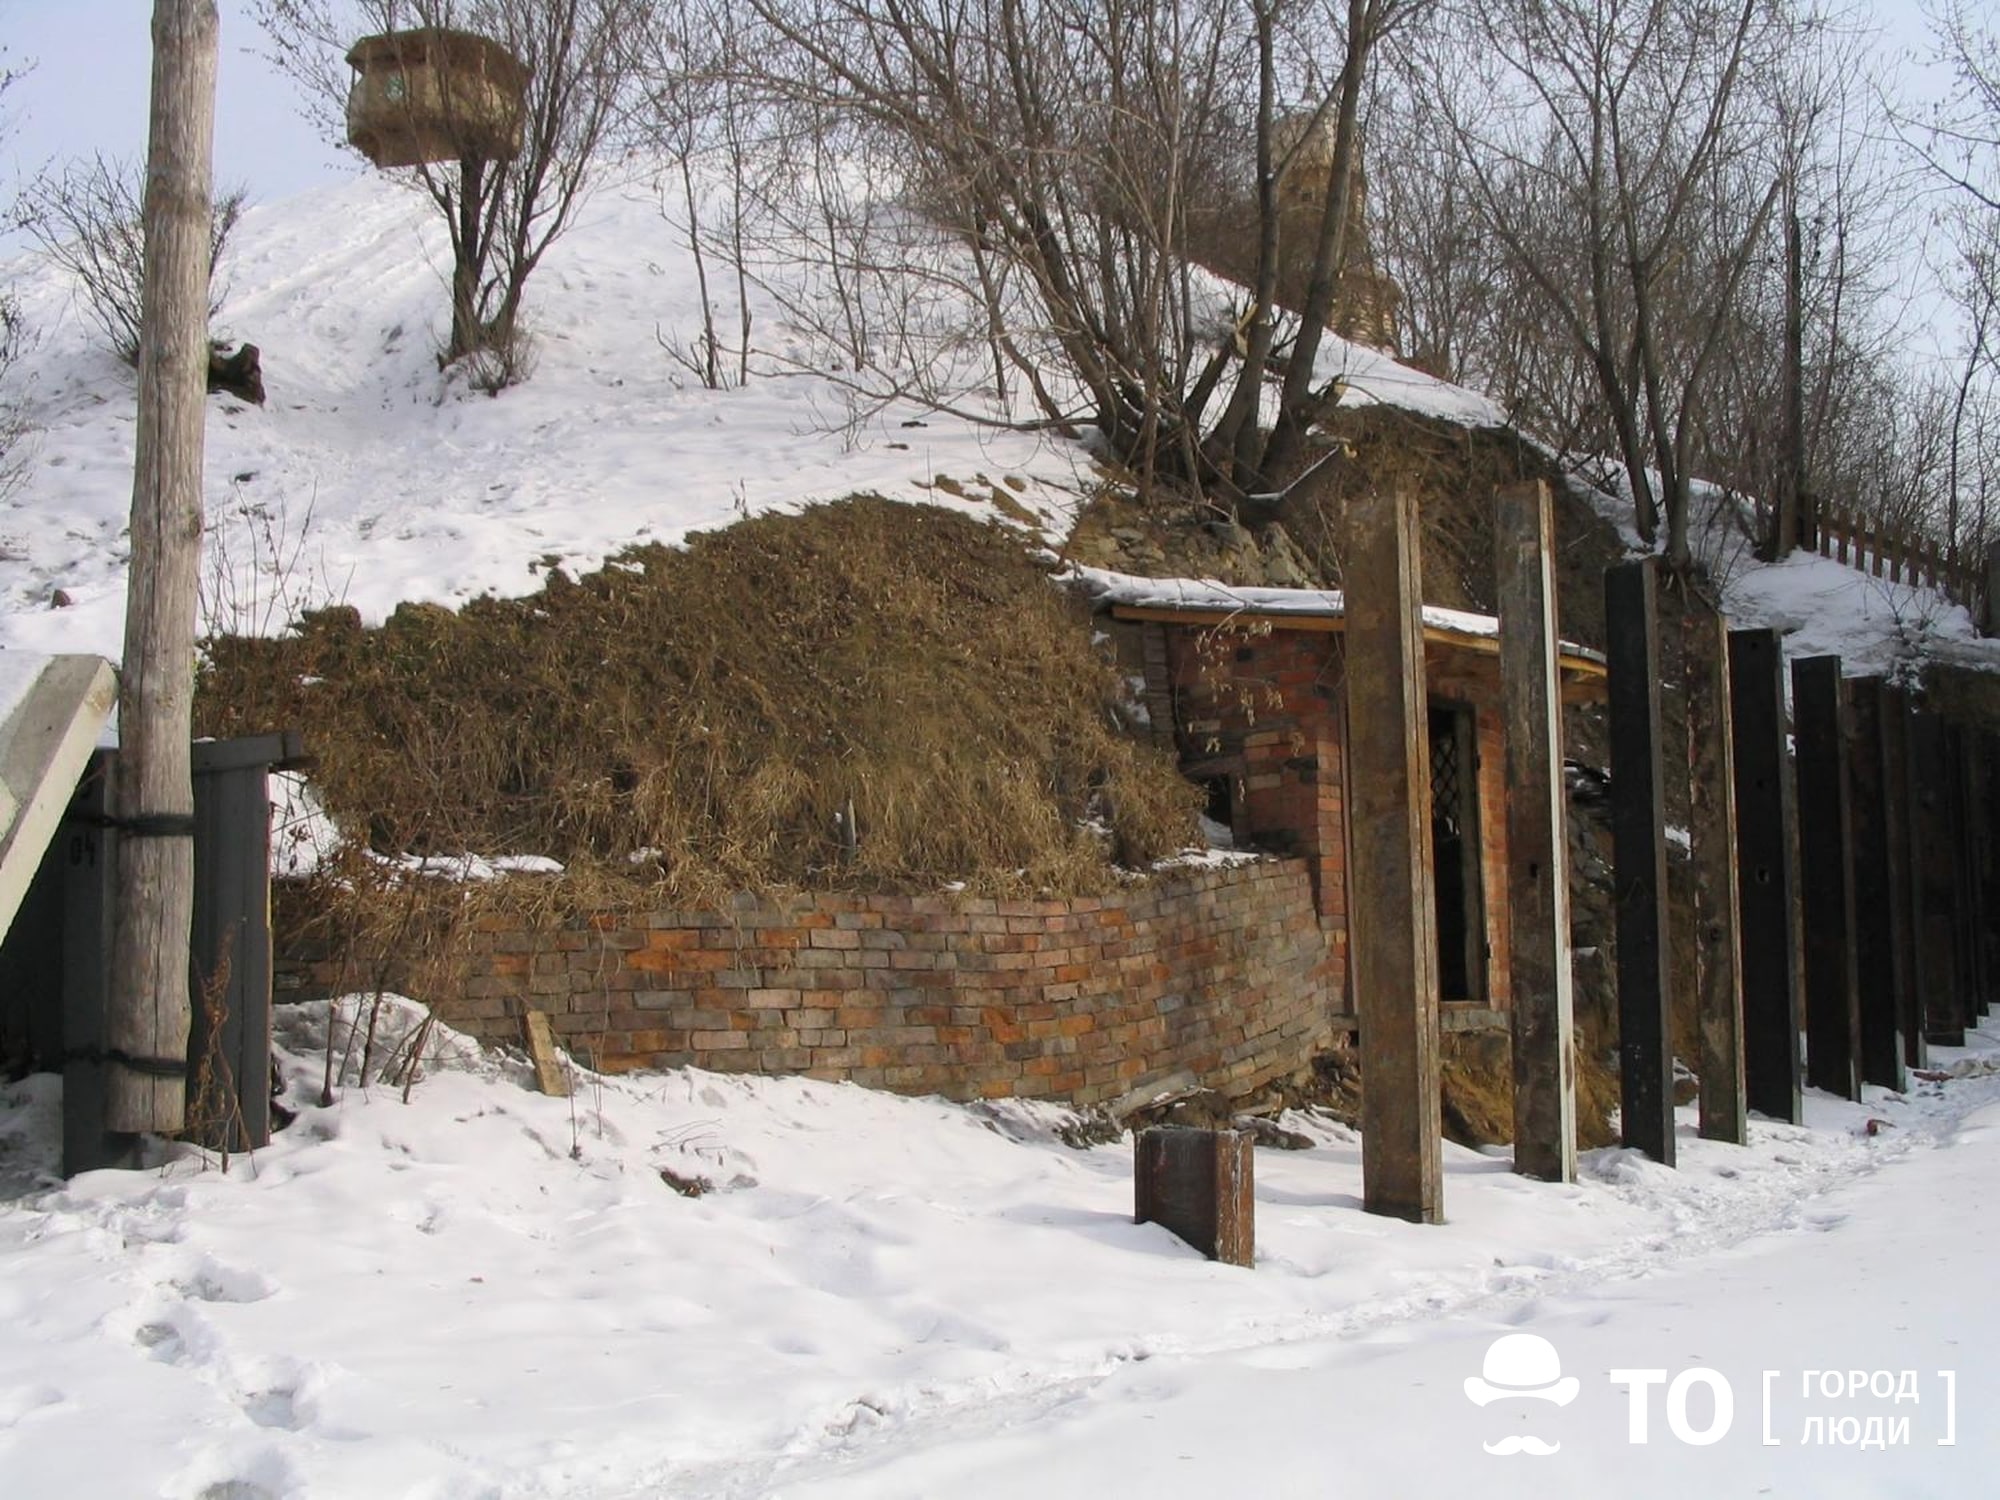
[{"x": 1207, "y": 595}]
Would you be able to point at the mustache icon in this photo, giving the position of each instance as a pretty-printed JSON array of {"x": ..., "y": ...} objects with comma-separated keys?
[{"x": 1526, "y": 1443}]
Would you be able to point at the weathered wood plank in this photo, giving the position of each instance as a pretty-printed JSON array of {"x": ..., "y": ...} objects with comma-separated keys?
[
  {"x": 1199, "y": 1184},
  {"x": 1826, "y": 861},
  {"x": 550, "y": 1075},
  {"x": 1875, "y": 936},
  {"x": 1767, "y": 875},
  {"x": 1901, "y": 874},
  {"x": 1639, "y": 856},
  {"x": 1537, "y": 843},
  {"x": 1933, "y": 846},
  {"x": 1711, "y": 763},
  {"x": 1393, "y": 946}
]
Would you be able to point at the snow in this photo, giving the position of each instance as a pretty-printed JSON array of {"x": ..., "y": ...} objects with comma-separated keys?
[
  {"x": 484, "y": 1291},
  {"x": 19, "y": 671},
  {"x": 1207, "y": 596}
]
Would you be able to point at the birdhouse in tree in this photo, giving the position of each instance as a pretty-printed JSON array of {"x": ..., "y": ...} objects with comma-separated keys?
[{"x": 432, "y": 94}]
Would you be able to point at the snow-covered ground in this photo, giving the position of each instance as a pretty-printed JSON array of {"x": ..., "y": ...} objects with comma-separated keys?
[{"x": 486, "y": 1292}]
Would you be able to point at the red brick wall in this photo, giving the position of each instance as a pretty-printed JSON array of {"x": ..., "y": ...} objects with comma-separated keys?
[
  {"x": 1215, "y": 972},
  {"x": 1264, "y": 708}
]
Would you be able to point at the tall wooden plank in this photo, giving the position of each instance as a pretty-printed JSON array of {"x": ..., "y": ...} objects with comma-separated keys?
[
  {"x": 1978, "y": 889},
  {"x": 1936, "y": 881},
  {"x": 1767, "y": 875},
  {"x": 1971, "y": 999},
  {"x": 1988, "y": 762},
  {"x": 1392, "y": 913},
  {"x": 1712, "y": 833},
  {"x": 1537, "y": 842},
  {"x": 1639, "y": 855},
  {"x": 1875, "y": 972},
  {"x": 1901, "y": 875},
  {"x": 1826, "y": 862}
]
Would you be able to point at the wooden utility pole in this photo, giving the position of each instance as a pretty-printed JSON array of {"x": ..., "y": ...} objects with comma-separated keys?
[
  {"x": 1392, "y": 906},
  {"x": 1537, "y": 840},
  {"x": 146, "y": 1028}
]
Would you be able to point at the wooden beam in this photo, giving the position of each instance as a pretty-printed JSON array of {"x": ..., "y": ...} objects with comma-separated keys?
[
  {"x": 1901, "y": 875},
  {"x": 1537, "y": 838},
  {"x": 1711, "y": 763},
  {"x": 45, "y": 744},
  {"x": 1392, "y": 913},
  {"x": 1964, "y": 821},
  {"x": 1583, "y": 674},
  {"x": 1639, "y": 856},
  {"x": 1935, "y": 907},
  {"x": 1876, "y": 974},
  {"x": 1826, "y": 863},
  {"x": 1767, "y": 875}
]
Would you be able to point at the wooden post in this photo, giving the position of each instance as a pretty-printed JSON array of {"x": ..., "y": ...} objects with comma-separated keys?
[
  {"x": 1537, "y": 842},
  {"x": 1198, "y": 1184},
  {"x": 1767, "y": 875},
  {"x": 146, "y": 1029},
  {"x": 1711, "y": 763},
  {"x": 1964, "y": 820},
  {"x": 1876, "y": 973},
  {"x": 1391, "y": 906},
  {"x": 1901, "y": 875},
  {"x": 1826, "y": 860},
  {"x": 1935, "y": 907},
  {"x": 1639, "y": 855},
  {"x": 1989, "y": 606}
]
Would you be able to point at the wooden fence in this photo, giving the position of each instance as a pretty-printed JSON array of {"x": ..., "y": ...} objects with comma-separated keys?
[{"x": 1903, "y": 556}]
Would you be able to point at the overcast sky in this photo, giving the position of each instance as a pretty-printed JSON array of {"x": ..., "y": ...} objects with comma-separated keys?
[
  {"x": 87, "y": 91},
  {"x": 89, "y": 66}
]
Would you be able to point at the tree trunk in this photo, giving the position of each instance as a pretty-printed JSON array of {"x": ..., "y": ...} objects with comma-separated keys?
[
  {"x": 468, "y": 259},
  {"x": 1785, "y": 511},
  {"x": 147, "y": 1025}
]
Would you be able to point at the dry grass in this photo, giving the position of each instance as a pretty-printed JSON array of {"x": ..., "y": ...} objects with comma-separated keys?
[{"x": 714, "y": 709}]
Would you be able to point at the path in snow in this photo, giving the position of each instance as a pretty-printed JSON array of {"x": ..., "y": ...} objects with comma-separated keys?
[{"x": 1890, "y": 1274}]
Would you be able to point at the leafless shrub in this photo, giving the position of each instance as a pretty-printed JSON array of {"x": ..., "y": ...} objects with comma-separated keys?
[{"x": 87, "y": 217}]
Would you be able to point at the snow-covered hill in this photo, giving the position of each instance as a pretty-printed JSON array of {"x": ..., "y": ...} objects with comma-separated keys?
[{"x": 369, "y": 478}]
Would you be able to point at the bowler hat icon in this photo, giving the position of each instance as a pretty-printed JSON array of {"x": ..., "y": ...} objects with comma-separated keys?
[{"x": 1521, "y": 1365}]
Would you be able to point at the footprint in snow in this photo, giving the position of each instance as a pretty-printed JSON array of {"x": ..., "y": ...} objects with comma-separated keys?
[{"x": 213, "y": 1281}]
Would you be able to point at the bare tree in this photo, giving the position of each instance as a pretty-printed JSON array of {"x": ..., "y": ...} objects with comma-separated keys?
[
  {"x": 1622, "y": 155},
  {"x": 1959, "y": 142},
  {"x": 87, "y": 218},
  {"x": 1084, "y": 158},
  {"x": 501, "y": 216}
]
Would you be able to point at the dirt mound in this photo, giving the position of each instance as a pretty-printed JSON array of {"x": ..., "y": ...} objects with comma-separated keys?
[
  {"x": 1295, "y": 543},
  {"x": 706, "y": 716}
]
